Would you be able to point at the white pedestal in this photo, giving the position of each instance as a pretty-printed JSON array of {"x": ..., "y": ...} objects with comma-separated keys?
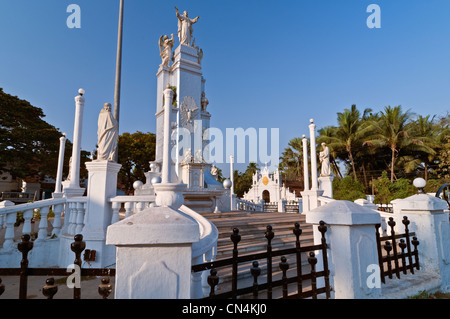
[
  {"x": 102, "y": 186},
  {"x": 326, "y": 184},
  {"x": 351, "y": 236},
  {"x": 154, "y": 253}
]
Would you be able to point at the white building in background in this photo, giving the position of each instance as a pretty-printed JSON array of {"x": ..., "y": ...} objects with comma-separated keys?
[{"x": 268, "y": 187}]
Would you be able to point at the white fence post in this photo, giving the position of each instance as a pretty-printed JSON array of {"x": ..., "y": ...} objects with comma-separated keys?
[
  {"x": 154, "y": 254},
  {"x": 353, "y": 248},
  {"x": 430, "y": 221}
]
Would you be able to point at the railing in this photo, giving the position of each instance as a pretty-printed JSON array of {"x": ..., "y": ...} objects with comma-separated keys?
[
  {"x": 324, "y": 200},
  {"x": 298, "y": 278},
  {"x": 17, "y": 197},
  {"x": 74, "y": 215},
  {"x": 292, "y": 208},
  {"x": 203, "y": 251},
  {"x": 50, "y": 289},
  {"x": 388, "y": 208},
  {"x": 9, "y": 216},
  {"x": 248, "y": 206},
  {"x": 131, "y": 205},
  {"x": 403, "y": 257},
  {"x": 271, "y": 207}
]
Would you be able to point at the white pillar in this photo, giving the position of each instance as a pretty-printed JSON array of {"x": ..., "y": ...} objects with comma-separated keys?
[
  {"x": 351, "y": 237},
  {"x": 62, "y": 144},
  {"x": 305, "y": 163},
  {"x": 312, "y": 132},
  {"x": 429, "y": 219},
  {"x": 98, "y": 216},
  {"x": 166, "y": 165},
  {"x": 74, "y": 188},
  {"x": 154, "y": 254},
  {"x": 232, "y": 173}
]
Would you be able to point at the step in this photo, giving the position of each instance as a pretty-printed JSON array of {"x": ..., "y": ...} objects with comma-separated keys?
[{"x": 252, "y": 227}]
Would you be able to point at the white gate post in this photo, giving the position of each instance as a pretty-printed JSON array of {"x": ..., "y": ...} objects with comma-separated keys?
[
  {"x": 154, "y": 254},
  {"x": 353, "y": 257}
]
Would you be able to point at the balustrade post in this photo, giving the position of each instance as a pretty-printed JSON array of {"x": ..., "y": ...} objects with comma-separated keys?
[
  {"x": 27, "y": 216},
  {"x": 80, "y": 217},
  {"x": 9, "y": 234},
  {"x": 57, "y": 209},
  {"x": 43, "y": 224},
  {"x": 128, "y": 209},
  {"x": 115, "y": 212},
  {"x": 73, "y": 218}
]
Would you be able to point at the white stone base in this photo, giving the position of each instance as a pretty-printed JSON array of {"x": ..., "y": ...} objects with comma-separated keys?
[{"x": 326, "y": 184}]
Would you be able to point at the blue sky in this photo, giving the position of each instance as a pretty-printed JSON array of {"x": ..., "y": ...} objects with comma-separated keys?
[{"x": 267, "y": 64}]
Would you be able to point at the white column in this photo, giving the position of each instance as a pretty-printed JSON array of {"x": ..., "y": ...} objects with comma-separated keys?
[
  {"x": 73, "y": 188},
  {"x": 166, "y": 165},
  {"x": 77, "y": 130},
  {"x": 232, "y": 173},
  {"x": 312, "y": 132},
  {"x": 62, "y": 144},
  {"x": 305, "y": 163}
]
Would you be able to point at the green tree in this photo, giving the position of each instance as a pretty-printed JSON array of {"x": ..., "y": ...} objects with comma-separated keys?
[
  {"x": 348, "y": 135},
  {"x": 243, "y": 181},
  {"x": 348, "y": 189},
  {"x": 136, "y": 150},
  {"x": 392, "y": 130},
  {"x": 28, "y": 145}
]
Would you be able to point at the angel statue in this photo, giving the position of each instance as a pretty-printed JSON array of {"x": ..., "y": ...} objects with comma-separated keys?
[
  {"x": 185, "y": 29},
  {"x": 165, "y": 49},
  {"x": 189, "y": 113}
]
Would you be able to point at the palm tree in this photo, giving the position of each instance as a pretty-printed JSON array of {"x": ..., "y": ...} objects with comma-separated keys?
[
  {"x": 392, "y": 129},
  {"x": 348, "y": 135},
  {"x": 425, "y": 135},
  {"x": 292, "y": 159}
]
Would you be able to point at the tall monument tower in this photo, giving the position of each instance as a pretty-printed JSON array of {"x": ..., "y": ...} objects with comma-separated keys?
[{"x": 181, "y": 70}]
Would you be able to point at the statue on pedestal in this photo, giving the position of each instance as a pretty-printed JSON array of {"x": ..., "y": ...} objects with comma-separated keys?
[
  {"x": 165, "y": 49},
  {"x": 214, "y": 171},
  {"x": 185, "y": 29},
  {"x": 324, "y": 158},
  {"x": 108, "y": 134}
]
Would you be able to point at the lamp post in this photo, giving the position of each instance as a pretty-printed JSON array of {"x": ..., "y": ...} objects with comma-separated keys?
[{"x": 116, "y": 112}]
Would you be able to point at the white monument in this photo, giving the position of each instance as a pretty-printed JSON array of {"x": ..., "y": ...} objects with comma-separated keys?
[{"x": 181, "y": 72}]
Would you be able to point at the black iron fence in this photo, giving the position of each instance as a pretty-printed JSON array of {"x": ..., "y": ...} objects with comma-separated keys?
[
  {"x": 395, "y": 252},
  {"x": 292, "y": 208},
  {"x": 301, "y": 291},
  {"x": 50, "y": 288},
  {"x": 271, "y": 208}
]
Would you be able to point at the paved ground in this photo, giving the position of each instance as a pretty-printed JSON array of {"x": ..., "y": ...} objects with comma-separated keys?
[{"x": 89, "y": 288}]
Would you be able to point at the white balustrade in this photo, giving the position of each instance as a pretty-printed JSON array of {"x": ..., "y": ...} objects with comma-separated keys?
[
  {"x": 248, "y": 206},
  {"x": 9, "y": 216},
  {"x": 202, "y": 251},
  {"x": 131, "y": 205}
]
